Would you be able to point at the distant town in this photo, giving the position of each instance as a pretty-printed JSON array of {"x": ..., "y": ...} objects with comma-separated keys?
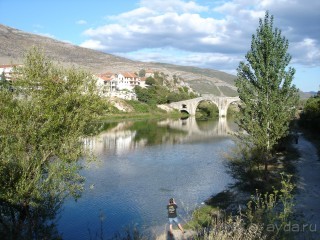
[{"x": 109, "y": 84}]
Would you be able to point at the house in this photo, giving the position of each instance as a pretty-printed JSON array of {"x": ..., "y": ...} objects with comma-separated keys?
[
  {"x": 106, "y": 82},
  {"x": 119, "y": 85},
  {"x": 127, "y": 81},
  {"x": 7, "y": 70},
  {"x": 149, "y": 73}
]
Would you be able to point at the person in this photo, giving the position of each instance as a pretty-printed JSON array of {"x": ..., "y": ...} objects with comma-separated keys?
[{"x": 172, "y": 215}]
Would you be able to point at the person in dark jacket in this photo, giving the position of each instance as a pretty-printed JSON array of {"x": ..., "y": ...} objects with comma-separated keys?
[{"x": 172, "y": 215}]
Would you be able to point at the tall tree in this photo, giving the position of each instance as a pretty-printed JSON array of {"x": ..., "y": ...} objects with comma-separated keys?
[
  {"x": 265, "y": 88},
  {"x": 42, "y": 123}
]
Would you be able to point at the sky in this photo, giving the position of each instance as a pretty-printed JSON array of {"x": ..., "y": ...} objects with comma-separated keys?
[{"x": 203, "y": 33}]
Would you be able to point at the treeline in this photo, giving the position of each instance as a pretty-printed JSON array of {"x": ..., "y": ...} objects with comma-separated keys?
[
  {"x": 310, "y": 116},
  {"x": 162, "y": 90}
]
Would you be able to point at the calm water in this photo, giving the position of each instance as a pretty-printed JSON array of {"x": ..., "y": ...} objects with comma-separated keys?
[{"x": 141, "y": 165}]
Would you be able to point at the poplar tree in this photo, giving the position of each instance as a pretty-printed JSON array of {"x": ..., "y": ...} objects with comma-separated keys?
[{"x": 265, "y": 88}]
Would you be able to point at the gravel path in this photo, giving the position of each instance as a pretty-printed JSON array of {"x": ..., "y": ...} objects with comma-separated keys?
[{"x": 308, "y": 196}]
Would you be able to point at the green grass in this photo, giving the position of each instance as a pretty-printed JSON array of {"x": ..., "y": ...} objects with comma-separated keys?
[
  {"x": 141, "y": 111},
  {"x": 202, "y": 217}
]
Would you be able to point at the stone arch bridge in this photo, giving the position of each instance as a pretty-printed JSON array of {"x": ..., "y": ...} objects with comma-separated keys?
[{"x": 190, "y": 105}]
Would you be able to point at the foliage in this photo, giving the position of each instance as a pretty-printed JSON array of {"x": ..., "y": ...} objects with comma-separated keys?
[
  {"x": 310, "y": 117},
  {"x": 4, "y": 83},
  {"x": 152, "y": 133},
  {"x": 160, "y": 91},
  {"x": 150, "y": 81},
  {"x": 264, "y": 86},
  {"x": 266, "y": 217},
  {"x": 207, "y": 109},
  {"x": 142, "y": 73},
  {"x": 141, "y": 107},
  {"x": 263, "y": 209},
  {"x": 42, "y": 122}
]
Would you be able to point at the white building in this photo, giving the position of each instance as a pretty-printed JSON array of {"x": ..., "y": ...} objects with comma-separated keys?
[
  {"x": 7, "y": 71},
  {"x": 119, "y": 85}
]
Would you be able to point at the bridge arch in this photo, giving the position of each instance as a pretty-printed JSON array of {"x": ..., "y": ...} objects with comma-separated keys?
[
  {"x": 207, "y": 101},
  {"x": 191, "y": 105}
]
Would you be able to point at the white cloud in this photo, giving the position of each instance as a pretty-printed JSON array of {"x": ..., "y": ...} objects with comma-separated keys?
[
  {"x": 134, "y": 14},
  {"x": 93, "y": 44},
  {"x": 180, "y": 57},
  {"x": 173, "y": 6},
  {"x": 187, "y": 31},
  {"x": 81, "y": 22},
  {"x": 306, "y": 52},
  {"x": 49, "y": 35},
  {"x": 159, "y": 25}
]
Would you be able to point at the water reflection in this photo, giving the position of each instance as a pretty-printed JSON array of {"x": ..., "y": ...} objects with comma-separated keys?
[
  {"x": 201, "y": 128},
  {"x": 142, "y": 164},
  {"x": 30, "y": 222},
  {"x": 126, "y": 136}
]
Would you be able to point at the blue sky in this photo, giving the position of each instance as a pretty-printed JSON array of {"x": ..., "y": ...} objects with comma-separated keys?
[{"x": 204, "y": 33}]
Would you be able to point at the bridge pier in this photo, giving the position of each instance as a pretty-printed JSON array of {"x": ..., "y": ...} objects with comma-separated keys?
[{"x": 223, "y": 112}]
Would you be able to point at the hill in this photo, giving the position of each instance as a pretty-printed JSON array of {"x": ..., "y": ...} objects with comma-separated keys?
[{"x": 14, "y": 44}]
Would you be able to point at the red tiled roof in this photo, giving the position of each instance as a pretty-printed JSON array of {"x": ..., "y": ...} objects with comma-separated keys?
[
  {"x": 9, "y": 65},
  {"x": 129, "y": 75},
  {"x": 106, "y": 76}
]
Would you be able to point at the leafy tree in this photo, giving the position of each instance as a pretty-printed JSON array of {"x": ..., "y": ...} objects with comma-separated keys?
[
  {"x": 142, "y": 73},
  {"x": 144, "y": 95},
  {"x": 4, "y": 83},
  {"x": 264, "y": 86},
  {"x": 158, "y": 93},
  {"x": 310, "y": 117},
  {"x": 3, "y": 77},
  {"x": 42, "y": 123},
  {"x": 207, "y": 109},
  {"x": 150, "y": 81}
]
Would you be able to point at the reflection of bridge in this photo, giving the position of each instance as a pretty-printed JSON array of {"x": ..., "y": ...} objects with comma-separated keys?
[
  {"x": 190, "y": 125},
  {"x": 191, "y": 105}
]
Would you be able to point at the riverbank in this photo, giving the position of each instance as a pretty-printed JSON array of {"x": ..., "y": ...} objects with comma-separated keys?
[
  {"x": 305, "y": 160},
  {"x": 115, "y": 117}
]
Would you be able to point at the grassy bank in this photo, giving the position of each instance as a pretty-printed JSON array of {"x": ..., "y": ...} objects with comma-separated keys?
[
  {"x": 234, "y": 207},
  {"x": 135, "y": 110}
]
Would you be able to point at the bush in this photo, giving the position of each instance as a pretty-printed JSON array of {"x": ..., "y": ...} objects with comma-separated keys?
[
  {"x": 310, "y": 117},
  {"x": 266, "y": 217}
]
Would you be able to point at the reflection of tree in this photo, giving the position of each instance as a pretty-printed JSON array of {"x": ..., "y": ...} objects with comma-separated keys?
[
  {"x": 42, "y": 122},
  {"x": 152, "y": 133},
  {"x": 207, "y": 125},
  {"x": 27, "y": 222}
]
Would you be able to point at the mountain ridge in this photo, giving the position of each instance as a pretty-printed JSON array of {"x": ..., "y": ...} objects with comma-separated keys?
[{"x": 15, "y": 43}]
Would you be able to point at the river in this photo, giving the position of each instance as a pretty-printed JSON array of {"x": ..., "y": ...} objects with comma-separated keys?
[{"x": 139, "y": 166}]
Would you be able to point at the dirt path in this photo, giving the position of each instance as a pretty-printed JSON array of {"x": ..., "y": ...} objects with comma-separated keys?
[{"x": 308, "y": 196}]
